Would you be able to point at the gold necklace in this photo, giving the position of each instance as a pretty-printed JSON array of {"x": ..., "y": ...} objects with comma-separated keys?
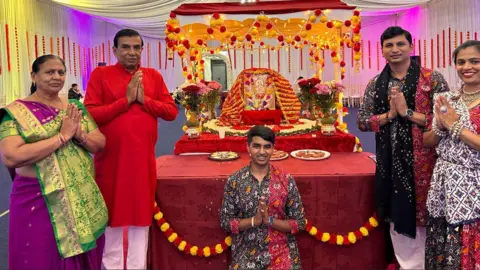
[
  {"x": 470, "y": 97},
  {"x": 48, "y": 106}
]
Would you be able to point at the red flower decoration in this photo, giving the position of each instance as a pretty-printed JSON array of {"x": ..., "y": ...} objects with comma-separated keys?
[
  {"x": 280, "y": 38},
  {"x": 314, "y": 81},
  {"x": 200, "y": 42},
  {"x": 333, "y": 54},
  {"x": 233, "y": 38},
  {"x": 257, "y": 24},
  {"x": 308, "y": 26},
  {"x": 191, "y": 88},
  {"x": 185, "y": 42},
  {"x": 248, "y": 37},
  {"x": 210, "y": 30},
  {"x": 298, "y": 38},
  {"x": 216, "y": 16},
  {"x": 177, "y": 30},
  {"x": 329, "y": 24},
  {"x": 356, "y": 13},
  {"x": 223, "y": 29},
  {"x": 342, "y": 63},
  {"x": 173, "y": 15},
  {"x": 318, "y": 12},
  {"x": 348, "y": 23},
  {"x": 269, "y": 26}
]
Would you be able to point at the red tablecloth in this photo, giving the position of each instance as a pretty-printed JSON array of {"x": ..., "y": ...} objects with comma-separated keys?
[
  {"x": 209, "y": 143},
  {"x": 337, "y": 194}
]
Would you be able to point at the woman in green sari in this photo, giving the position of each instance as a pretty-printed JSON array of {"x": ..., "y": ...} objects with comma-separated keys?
[{"x": 57, "y": 213}]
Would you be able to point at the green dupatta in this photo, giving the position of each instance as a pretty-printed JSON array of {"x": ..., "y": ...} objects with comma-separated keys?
[{"x": 67, "y": 178}]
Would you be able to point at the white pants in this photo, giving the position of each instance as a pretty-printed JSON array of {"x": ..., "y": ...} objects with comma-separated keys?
[
  {"x": 410, "y": 253},
  {"x": 137, "y": 248}
]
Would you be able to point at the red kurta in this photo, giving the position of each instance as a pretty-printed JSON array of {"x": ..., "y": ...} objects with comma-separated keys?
[{"x": 125, "y": 169}]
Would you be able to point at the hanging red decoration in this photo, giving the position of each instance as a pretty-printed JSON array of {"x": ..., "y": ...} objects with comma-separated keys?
[
  {"x": 378, "y": 56},
  {"x": 108, "y": 50},
  {"x": 58, "y": 46},
  {"x": 449, "y": 46},
  {"x": 301, "y": 58},
  {"x": 43, "y": 44},
  {"x": 425, "y": 53},
  {"x": 8, "y": 48},
  {"x": 330, "y": 24},
  {"x": 216, "y": 16},
  {"x": 148, "y": 54},
  {"x": 17, "y": 50},
  {"x": 280, "y": 39},
  {"x": 223, "y": 29},
  {"x": 244, "y": 57},
  {"x": 166, "y": 57},
  {"x": 461, "y": 37},
  {"x": 420, "y": 49},
  {"x": 28, "y": 48},
  {"x": 289, "y": 60},
  {"x": 51, "y": 45},
  {"x": 318, "y": 12},
  {"x": 63, "y": 48},
  {"x": 348, "y": 23},
  {"x": 438, "y": 51},
  {"x": 269, "y": 26},
  {"x": 443, "y": 48},
  {"x": 74, "y": 58},
  {"x": 268, "y": 55},
  {"x": 257, "y": 24},
  {"x": 36, "y": 46},
  {"x": 103, "y": 52},
  {"x": 356, "y": 13},
  {"x": 363, "y": 54}
]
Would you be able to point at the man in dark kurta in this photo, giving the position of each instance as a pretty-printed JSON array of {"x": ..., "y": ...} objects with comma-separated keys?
[{"x": 125, "y": 100}]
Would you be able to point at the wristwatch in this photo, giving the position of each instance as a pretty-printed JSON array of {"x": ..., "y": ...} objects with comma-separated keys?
[
  {"x": 409, "y": 113},
  {"x": 270, "y": 221}
]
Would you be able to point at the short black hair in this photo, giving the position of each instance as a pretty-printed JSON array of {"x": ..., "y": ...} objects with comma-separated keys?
[
  {"x": 394, "y": 31},
  {"x": 38, "y": 62},
  {"x": 299, "y": 78},
  {"x": 463, "y": 46},
  {"x": 125, "y": 33},
  {"x": 74, "y": 84},
  {"x": 263, "y": 132}
]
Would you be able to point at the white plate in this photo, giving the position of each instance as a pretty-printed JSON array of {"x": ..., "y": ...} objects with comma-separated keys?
[
  {"x": 280, "y": 158},
  {"x": 294, "y": 154}
]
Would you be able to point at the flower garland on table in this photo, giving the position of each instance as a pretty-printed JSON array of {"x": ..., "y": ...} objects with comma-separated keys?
[
  {"x": 183, "y": 245},
  {"x": 331, "y": 238},
  {"x": 348, "y": 239}
]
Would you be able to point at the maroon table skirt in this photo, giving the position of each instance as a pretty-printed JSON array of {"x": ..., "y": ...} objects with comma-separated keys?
[{"x": 337, "y": 194}]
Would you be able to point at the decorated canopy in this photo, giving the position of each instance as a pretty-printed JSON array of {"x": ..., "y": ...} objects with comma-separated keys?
[{"x": 197, "y": 29}]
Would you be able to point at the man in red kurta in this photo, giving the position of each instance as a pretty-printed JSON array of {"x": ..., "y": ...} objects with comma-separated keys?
[{"x": 125, "y": 100}]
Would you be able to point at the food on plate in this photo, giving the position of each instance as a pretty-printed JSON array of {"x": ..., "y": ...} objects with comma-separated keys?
[
  {"x": 310, "y": 154},
  {"x": 279, "y": 154}
]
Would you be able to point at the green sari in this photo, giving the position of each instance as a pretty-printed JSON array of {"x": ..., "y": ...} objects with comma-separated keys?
[{"x": 76, "y": 207}]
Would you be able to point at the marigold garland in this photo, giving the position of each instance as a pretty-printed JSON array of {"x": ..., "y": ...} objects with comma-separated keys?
[{"x": 335, "y": 239}]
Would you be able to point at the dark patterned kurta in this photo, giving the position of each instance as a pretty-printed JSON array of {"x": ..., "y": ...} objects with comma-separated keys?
[
  {"x": 424, "y": 158},
  {"x": 262, "y": 247}
]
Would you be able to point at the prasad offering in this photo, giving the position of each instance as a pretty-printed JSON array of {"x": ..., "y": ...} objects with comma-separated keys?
[
  {"x": 223, "y": 156},
  {"x": 278, "y": 155},
  {"x": 310, "y": 154}
]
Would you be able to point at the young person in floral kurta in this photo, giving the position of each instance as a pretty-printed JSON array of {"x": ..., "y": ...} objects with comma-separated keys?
[
  {"x": 262, "y": 209},
  {"x": 398, "y": 107}
]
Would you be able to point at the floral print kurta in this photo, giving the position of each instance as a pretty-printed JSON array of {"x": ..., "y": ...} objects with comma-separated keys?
[
  {"x": 262, "y": 247},
  {"x": 430, "y": 83}
]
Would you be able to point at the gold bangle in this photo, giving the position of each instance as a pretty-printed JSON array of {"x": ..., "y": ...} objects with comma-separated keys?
[{"x": 253, "y": 222}]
